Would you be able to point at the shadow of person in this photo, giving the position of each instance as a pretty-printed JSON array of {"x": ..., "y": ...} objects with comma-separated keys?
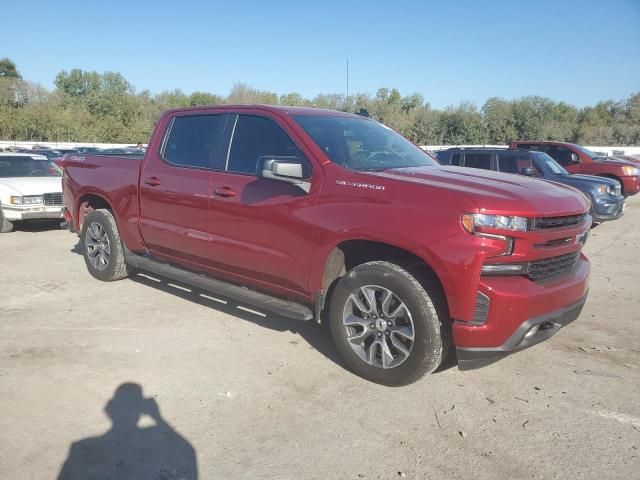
[{"x": 127, "y": 451}]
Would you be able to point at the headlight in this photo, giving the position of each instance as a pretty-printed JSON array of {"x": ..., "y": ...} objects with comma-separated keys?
[
  {"x": 611, "y": 190},
  {"x": 27, "y": 200},
  {"x": 631, "y": 171},
  {"x": 471, "y": 221},
  {"x": 32, "y": 200}
]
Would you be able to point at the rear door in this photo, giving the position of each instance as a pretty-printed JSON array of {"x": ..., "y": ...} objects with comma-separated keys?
[
  {"x": 262, "y": 230},
  {"x": 175, "y": 188}
]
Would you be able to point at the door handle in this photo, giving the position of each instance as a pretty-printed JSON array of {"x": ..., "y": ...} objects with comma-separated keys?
[
  {"x": 153, "y": 181},
  {"x": 224, "y": 192}
]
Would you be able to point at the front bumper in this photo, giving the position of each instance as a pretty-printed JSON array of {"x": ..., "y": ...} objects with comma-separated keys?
[
  {"x": 524, "y": 337},
  {"x": 514, "y": 301},
  {"x": 630, "y": 185},
  {"x": 608, "y": 208},
  {"x": 16, "y": 214}
]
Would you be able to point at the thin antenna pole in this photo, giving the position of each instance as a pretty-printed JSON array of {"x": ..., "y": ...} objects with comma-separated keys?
[{"x": 347, "y": 80}]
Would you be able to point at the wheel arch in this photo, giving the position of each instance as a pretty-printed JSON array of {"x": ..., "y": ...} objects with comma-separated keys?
[
  {"x": 347, "y": 254},
  {"x": 87, "y": 203}
]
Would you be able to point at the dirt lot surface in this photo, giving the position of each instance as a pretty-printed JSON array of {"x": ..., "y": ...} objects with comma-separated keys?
[{"x": 243, "y": 396}]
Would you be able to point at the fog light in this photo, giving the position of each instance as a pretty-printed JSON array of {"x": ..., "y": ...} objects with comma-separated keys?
[{"x": 532, "y": 331}]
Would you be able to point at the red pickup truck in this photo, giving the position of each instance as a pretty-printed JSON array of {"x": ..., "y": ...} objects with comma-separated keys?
[
  {"x": 316, "y": 214},
  {"x": 578, "y": 159}
]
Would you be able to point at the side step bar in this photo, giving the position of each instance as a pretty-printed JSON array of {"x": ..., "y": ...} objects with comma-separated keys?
[{"x": 259, "y": 300}]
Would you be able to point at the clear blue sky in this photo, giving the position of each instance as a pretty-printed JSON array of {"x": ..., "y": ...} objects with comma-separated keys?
[{"x": 577, "y": 51}]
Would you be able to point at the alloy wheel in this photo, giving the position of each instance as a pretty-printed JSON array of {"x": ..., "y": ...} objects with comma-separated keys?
[{"x": 378, "y": 326}]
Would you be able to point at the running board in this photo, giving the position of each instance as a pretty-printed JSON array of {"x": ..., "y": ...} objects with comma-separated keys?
[{"x": 259, "y": 300}]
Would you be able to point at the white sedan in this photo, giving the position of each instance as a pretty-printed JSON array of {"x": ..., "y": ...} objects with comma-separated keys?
[{"x": 30, "y": 188}]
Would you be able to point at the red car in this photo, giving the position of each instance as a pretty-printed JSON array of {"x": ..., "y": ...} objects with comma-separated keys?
[
  {"x": 328, "y": 216},
  {"x": 577, "y": 159}
]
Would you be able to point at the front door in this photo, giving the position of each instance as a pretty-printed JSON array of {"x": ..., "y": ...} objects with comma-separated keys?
[{"x": 261, "y": 229}]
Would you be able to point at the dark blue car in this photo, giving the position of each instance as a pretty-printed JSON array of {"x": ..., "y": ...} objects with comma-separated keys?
[{"x": 607, "y": 202}]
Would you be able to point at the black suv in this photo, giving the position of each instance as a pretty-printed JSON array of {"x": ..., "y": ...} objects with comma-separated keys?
[{"x": 607, "y": 202}]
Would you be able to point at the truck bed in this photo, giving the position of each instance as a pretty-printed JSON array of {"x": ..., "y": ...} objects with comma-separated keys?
[{"x": 109, "y": 176}]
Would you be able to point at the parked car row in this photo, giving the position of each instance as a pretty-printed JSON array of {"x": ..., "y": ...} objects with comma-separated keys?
[
  {"x": 58, "y": 153},
  {"x": 30, "y": 181},
  {"x": 578, "y": 159},
  {"x": 604, "y": 193}
]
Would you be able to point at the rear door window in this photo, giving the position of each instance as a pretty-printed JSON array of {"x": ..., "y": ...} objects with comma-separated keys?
[
  {"x": 455, "y": 159},
  {"x": 478, "y": 160},
  {"x": 193, "y": 141},
  {"x": 255, "y": 137}
]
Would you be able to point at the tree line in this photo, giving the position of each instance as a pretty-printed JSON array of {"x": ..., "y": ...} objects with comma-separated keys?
[{"x": 104, "y": 107}]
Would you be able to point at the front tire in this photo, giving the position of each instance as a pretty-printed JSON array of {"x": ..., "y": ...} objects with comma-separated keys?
[
  {"x": 5, "y": 225},
  {"x": 102, "y": 248},
  {"x": 385, "y": 324}
]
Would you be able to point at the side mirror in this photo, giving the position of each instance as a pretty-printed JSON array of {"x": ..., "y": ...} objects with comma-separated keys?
[
  {"x": 575, "y": 158},
  {"x": 529, "y": 172},
  {"x": 283, "y": 169}
]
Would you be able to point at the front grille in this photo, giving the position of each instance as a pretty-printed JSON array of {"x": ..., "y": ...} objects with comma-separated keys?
[
  {"x": 53, "y": 199},
  {"x": 555, "y": 243},
  {"x": 547, "y": 223},
  {"x": 552, "y": 267}
]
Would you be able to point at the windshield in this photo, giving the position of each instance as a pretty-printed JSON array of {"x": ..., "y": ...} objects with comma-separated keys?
[
  {"x": 362, "y": 144},
  {"x": 27, "y": 167},
  {"x": 587, "y": 152},
  {"x": 551, "y": 164}
]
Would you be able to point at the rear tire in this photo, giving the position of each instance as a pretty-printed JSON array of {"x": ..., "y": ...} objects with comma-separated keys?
[
  {"x": 386, "y": 326},
  {"x": 5, "y": 225},
  {"x": 102, "y": 248}
]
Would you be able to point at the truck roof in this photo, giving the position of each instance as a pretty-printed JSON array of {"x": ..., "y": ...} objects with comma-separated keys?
[
  {"x": 551, "y": 142},
  {"x": 271, "y": 108}
]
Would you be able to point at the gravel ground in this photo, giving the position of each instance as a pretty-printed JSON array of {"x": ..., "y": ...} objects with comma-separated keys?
[{"x": 239, "y": 395}]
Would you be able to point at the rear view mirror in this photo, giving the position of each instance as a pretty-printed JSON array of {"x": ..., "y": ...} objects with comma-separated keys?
[
  {"x": 529, "y": 172},
  {"x": 283, "y": 169}
]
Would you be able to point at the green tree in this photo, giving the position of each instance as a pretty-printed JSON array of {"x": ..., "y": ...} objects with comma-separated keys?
[
  {"x": 462, "y": 125},
  {"x": 8, "y": 69},
  {"x": 499, "y": 121},
  {"x": 204, "y": 98}
]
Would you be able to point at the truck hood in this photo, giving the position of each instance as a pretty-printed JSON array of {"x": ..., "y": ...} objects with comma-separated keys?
[
  {"x": 591, "y": 180},
  {"x": 615, "y": 161},
  {"x": 33, "y": 185},
  {"x": 494, "y": 191}
]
